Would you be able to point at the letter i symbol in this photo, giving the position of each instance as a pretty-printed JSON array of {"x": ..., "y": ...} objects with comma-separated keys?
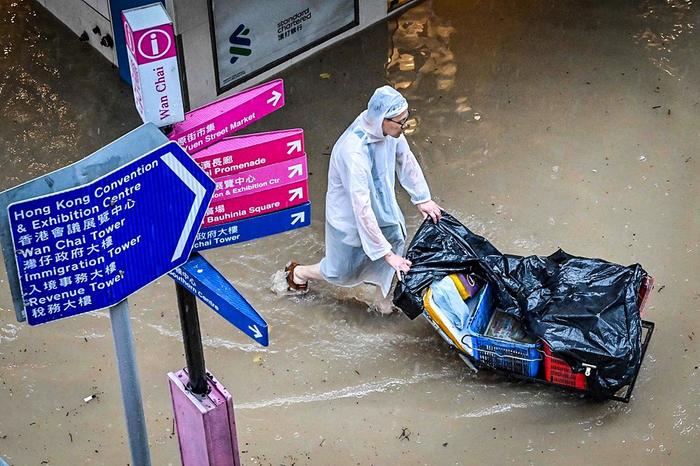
[{"x": 154, "y": 43}]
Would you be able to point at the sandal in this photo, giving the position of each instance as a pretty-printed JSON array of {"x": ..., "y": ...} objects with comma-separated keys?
[{"x": 291, "y": 284}]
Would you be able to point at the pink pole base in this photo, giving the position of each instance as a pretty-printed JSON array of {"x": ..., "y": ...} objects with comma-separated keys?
[{"x": 206, "y": 427}]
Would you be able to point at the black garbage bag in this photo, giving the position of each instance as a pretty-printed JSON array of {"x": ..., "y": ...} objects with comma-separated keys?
[{"x": 586, "y": 309}]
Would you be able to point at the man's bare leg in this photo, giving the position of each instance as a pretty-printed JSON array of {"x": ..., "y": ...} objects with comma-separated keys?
[
  {"x": 382, "y": 303},
  {"x": 304, "y": 273}
]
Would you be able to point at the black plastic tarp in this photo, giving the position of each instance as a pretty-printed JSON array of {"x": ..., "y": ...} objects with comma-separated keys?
[{"x": 586, "y": 309}]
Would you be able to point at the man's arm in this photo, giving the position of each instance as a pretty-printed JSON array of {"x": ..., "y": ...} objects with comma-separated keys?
[
  {"x": 410, "y": 174},
  {"x": 411, "y": 178}
]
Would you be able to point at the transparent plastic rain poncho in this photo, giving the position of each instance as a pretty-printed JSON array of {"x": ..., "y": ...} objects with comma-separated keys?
[{"x": 363, "y": 219}]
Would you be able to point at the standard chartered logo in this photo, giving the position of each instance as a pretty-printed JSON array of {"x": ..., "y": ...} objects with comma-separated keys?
[{"x": 240, "y": 45}]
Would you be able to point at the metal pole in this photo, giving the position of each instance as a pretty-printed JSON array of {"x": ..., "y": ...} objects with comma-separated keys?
[
  {"x": 129, "y": 380},
  {"x": 192, "y": 338}
]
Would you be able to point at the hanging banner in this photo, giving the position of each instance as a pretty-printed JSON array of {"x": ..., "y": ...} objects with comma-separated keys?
[{"x": 247, "y": 42}]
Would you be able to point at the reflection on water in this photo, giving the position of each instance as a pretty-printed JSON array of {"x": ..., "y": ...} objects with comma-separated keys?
[
  {"x": 421, "y": 63},
  {"x": 421, "y": 49},
  {"x": 666, "y": 25},
  {"x": 33, "y": 108}
]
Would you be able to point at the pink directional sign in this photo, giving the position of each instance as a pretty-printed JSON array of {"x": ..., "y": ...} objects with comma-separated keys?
[
  {"x": 240, "y": 153},
  {"x": 213, "y": 122},
  {"x": 260, "y": 203},
  {"x": 261, "y": 179}
]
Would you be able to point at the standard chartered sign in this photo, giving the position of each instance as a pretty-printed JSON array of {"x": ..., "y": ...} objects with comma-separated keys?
[{"x": 248, "y": 42}]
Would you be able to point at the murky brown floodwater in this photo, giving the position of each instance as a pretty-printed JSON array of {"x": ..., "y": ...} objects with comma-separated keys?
[{"x": 539, "y": 124}]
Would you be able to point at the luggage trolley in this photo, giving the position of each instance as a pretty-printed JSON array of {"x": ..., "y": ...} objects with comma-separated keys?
[{"x": 526, "y": 361}]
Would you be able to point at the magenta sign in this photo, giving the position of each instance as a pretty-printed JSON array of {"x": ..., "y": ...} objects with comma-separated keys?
[
  {"x": 154, "y": 44},
  {"x": 252, "y": 205},
  {"x": 255, "y": 174},
  {"x": 261, "y": 179},
  {"x": 211, "y": 123},
  {"x": 240, "y": 153}
]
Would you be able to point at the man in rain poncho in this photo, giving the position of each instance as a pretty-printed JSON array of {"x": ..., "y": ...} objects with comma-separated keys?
[{"x": 365, "y": 229}]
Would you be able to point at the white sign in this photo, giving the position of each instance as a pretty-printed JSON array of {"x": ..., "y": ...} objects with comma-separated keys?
[
  {"x": 152, "y": 54},
  {"x": 248, "y": 41}
]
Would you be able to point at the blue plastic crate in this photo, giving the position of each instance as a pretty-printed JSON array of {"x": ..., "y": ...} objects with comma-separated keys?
[
  {"x": 481, "y": 307},
  {"x": 521, "y": 358}
]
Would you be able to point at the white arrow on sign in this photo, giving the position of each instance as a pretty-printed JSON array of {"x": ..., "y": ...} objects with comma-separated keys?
[
  {"x": 199, "y": 193},
  {"x": 256, "y": 331},
  {"x": 274, "y": 99},
  {"x": 298, "y": 217},
  {"x": 294, "y": 146},
  {"x": 295, "y": 170},
  {"x": 296, "y": 193}
]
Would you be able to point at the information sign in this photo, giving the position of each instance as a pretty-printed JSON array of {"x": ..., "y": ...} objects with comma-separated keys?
[
  {"x": 260, "y": 203},
  {"x": 152, "y": 55},
  {"x": 261, "y": 179},
  {"x": 122, "y": 151}
]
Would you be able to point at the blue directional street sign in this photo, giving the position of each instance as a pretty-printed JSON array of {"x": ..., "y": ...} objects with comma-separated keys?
[
  {"x": 89, "y": 247},
  {"x": 206, "y": 283},
  {"x": 120, "y": 152},
  {"x": 254, "y": 227}
]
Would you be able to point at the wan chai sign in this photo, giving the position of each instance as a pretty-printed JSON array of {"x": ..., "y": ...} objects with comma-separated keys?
[{"x": 152, "y": 55}]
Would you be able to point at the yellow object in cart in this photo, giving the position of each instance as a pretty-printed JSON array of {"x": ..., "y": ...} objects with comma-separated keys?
[
  {"x": 463, "y": 293},
  {"x": 437, "y": 318}
]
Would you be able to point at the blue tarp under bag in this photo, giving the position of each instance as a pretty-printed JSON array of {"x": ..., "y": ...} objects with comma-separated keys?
[{"x": 586, "y": 309}]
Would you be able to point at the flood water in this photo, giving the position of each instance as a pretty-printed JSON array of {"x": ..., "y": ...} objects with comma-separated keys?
[{"x": 539, "y": 124}]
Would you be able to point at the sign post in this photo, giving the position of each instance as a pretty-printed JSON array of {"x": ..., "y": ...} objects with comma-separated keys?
[
  {"x": 248, "y": 165},
  {"x": 130, "y": 385},
  {"x": 192, "y": 339}
]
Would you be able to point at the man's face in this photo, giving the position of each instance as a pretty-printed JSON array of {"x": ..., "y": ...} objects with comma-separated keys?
[{"x": 394, "y": 126}]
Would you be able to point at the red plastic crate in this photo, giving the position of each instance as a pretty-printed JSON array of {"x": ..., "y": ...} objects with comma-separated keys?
[
  {"x": 644, "y": 293},
  {"x": 558, "y": 371}
]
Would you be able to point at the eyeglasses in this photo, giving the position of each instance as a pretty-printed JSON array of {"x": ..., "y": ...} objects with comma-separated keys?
[{"x": 403, "y": 123}]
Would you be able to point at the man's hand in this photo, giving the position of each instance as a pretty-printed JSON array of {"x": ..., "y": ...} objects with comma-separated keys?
[
  {"x": 430, "y": 208},
  {"x": 398, "y": 263}
]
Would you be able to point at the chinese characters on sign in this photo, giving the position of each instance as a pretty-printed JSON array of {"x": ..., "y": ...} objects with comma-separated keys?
[
  {"x": 89, "y": 247},
  {"x": 256, "y": 175}
]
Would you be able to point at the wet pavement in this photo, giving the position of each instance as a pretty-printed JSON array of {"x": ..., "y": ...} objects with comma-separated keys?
[{"x": 538, "y": 124}]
